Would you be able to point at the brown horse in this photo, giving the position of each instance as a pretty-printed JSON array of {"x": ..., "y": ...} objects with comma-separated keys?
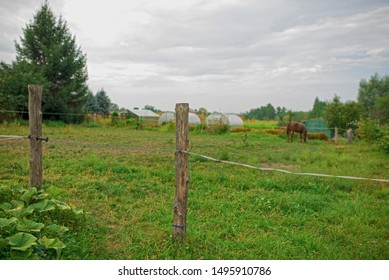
[{"x": 293, "y": 127}]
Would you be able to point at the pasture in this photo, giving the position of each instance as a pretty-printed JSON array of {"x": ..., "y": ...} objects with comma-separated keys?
[{"x": 124, "y": 181}]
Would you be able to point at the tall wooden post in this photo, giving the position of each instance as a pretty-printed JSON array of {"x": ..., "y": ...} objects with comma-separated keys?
[
  {"x": 336, "y": 135},
  {"x": 182, "y": 173},
  {"x": 35, "y": 123}
]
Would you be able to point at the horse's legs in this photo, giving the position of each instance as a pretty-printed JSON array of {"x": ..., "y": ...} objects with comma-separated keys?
[{"x": 291, "y": 136}]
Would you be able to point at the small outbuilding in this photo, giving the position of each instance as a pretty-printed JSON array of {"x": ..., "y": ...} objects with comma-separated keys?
[
  {"x": 318, "y": 125},
  {"x": 147, "y": 117}
]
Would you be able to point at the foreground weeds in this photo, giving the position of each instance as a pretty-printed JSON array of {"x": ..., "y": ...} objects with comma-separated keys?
[{"x": 124, "y": 180}]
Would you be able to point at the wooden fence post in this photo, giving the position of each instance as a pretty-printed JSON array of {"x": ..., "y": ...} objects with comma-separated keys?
[
  {"x": 336, "y": 135},
  {"x": 35, "y": 124},
  {"x": 350, "y": 136},
  {"x": 182, "y": 173}
]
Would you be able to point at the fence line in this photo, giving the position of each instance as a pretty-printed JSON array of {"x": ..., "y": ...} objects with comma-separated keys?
[
  {"x": 58, "y": 114},
  {"x": 97, "y": 146}
]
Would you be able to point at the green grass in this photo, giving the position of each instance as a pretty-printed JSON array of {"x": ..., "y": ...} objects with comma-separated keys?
[
  {"x": 257, "y": 124},
  {"x": 233, "y": 212}
]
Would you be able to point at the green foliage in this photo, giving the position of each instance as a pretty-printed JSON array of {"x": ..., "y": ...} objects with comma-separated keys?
[
  {"x": 373, "y": 95},
  {"x": 28, "y": 228},
  {"x": 318, "y": 109},
  {"x": 218, "y": 129},
  {"x": 264, "y": 113},
  {"x": 13, "y": 84},
  {"x": 317, "y": 136},
  {"x": 369, "y": 131},
  {"x": 342, "y": 115},
  {"x": 383, "y": 144},
  {"x": 103, "y": 102},
  {"x": 48, "y": 48}
]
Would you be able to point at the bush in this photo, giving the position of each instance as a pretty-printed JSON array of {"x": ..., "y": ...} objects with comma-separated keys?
[
  {"x": 369, "y": 131},
  {"x": 317, "y": 136}
]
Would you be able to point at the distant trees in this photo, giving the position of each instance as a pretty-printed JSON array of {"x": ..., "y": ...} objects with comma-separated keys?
[
  {"x": 100, "y": 103},
  {"x": 263, "y": 113},
  {"x": 374, "y": 97},
  {"x": 318, "y": 109},
  {"x": 152, "y": 108}
]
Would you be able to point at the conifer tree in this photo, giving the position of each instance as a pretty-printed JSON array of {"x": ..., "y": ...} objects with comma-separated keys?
[{"x": 49, "y": 48}]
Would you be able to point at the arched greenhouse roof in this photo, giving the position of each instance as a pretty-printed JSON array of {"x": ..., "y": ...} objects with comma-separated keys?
[
  {"x": 171, "y": 117},
  {"x": 227, "y": 119}
]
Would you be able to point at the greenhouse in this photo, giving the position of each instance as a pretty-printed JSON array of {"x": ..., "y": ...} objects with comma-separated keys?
[
  {"x": 167, "y": 117},
  {"x": 223, "y": 119}
]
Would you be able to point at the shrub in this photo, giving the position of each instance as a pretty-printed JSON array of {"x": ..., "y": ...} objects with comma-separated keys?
[
  {"x": 317, "y": 136},
  {"x": 369, "y": 131}
]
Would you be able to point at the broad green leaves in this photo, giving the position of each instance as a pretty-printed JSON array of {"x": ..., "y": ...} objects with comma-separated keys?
[
  {"x": 22, "y": 241},
  {"x": 27, "y": 227}
]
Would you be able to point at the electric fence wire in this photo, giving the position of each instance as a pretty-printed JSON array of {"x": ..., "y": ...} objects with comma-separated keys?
[{"x": 284, "y": 171}]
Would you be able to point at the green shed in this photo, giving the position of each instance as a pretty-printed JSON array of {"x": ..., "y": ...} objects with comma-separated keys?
[{"x": 318, "y": 125}]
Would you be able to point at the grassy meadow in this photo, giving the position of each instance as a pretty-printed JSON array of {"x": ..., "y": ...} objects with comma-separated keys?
[{"x": 124, "y": 181}]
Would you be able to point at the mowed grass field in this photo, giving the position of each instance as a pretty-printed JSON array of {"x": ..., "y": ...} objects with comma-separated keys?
[{"x": 124, "y": 181}]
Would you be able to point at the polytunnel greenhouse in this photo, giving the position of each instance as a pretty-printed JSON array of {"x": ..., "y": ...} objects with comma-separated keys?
[
  {"x": 223, "y": 119},
  {"x": 167, "y": 117}
]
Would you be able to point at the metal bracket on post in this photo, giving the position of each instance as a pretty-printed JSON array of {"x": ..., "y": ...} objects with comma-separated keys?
[{"x": 38, "y": 138}]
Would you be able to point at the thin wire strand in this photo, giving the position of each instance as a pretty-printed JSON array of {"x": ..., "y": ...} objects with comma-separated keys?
[
  {"x": 11, "y": 137},
  {"x": 284, "y": 171}
]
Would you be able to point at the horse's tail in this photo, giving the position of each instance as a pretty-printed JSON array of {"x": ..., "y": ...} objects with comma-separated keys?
[{"x": 288, "y": 128}]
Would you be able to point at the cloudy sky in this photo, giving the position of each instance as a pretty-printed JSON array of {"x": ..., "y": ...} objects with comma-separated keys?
[{"x": 224, "y": 55}]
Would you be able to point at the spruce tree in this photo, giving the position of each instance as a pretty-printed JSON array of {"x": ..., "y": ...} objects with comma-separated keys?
[{"x": 48, "y": 46}]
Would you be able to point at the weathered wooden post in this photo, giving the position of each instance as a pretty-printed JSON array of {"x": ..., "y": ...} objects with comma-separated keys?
[
  {"x": 336, "y": 135},
  {"x": 350, "y": 136},
  {"x": 182, "y": 173},
  {"x": 94, "y": 118},
  {"x": 35, "y": 124}
]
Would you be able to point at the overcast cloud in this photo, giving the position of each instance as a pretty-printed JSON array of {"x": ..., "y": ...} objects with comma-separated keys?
[{"x": 224, "y": 55}]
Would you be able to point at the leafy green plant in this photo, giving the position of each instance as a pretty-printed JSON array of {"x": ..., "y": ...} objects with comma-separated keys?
[
  {"x": 383, "y": 144},
  {"x": 28, "y": 228},
  {"x": 369, "y": 131}
]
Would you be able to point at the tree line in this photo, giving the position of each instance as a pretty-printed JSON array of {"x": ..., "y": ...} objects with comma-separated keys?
[
  {"x": 48, "y": 55},
  {"x": 372, "y": 104}
]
